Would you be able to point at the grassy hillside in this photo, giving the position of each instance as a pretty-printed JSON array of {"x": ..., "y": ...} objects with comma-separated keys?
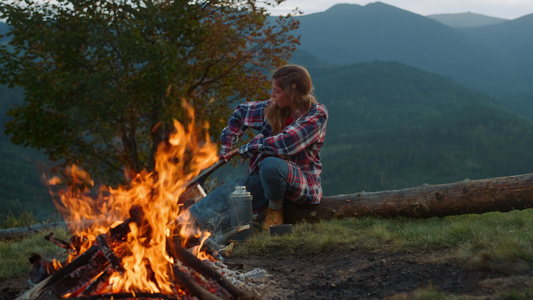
[{"x": 393, "y": 126}]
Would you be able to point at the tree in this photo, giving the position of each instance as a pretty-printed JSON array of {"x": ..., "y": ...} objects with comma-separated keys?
[{"x": 103, "y": 79}]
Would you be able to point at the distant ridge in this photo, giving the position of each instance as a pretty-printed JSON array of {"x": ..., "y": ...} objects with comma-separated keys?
[
  {"x": 468, "y": 19},
  {"x": 495, "y": 59},
  {"x": 344, "y": 8}
]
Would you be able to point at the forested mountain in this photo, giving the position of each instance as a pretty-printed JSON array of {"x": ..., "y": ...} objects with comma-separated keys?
[
  {"x": 350, "y": 33},
  {"x": 513, "y": 40},
  {"x": 467, "y": 19},
  {"x": 393, "y": 126}
]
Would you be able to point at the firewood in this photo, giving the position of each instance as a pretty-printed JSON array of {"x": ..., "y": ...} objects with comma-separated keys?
[
  {"x": 190, "y": 285},
  {"x": 109, "y": 254},
  {"x": 77, "y": 279},
  {"x": 65, "y": 245},
  {"x": 189, "y": 259},
  {"x": 84, "y": 268},
  {"x": 129, "y": 296},
  {"x": 99, "y": 283},
  {"x": 36, "y": 290},
  {"x": 41, "y": 268},
  {"x": 45, "y": 285}
]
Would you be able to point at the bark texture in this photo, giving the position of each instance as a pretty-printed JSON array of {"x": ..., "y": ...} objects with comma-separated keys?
[{"x": 463, "y": 197}]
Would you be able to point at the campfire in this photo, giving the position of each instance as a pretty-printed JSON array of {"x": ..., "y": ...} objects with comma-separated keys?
[{"x": 127, "y": 242}]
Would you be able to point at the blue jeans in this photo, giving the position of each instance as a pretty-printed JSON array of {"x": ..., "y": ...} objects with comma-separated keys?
[{"x": 268, "y": 186}]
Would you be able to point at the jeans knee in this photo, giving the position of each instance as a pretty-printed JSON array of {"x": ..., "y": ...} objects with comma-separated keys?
[{"x": 274, "y": 168}]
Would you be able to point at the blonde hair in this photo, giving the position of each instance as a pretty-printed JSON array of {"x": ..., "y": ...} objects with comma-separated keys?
[{"x": 296, "y": 82}]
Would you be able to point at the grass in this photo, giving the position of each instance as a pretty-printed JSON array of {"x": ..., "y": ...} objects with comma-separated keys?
[
  {"x": 15, "y": 253},
  {"x": 11, "y": 221},
  {"x": 493, "y": 241}
]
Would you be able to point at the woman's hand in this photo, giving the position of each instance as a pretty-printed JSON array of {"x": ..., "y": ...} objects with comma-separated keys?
[{"x": 230, "y": 155}]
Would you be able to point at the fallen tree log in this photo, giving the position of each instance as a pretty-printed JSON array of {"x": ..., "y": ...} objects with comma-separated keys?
[
  {"x": 19, "y": 232},
  {"x": 425, "y": 201},
  {"x": 463, "y": 197}
]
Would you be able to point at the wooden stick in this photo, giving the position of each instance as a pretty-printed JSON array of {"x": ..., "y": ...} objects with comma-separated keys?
[
  {"x": 93, "y": 260},
  {"x": 36, "y": 290},
  {"x": 65, "y": 245},
  {"x": 190, "y": 285},
  {"x": 192, "y": 261},
  {"x": 99, "y": 283},
  {"x": 155, "y": 296},
  {"x": 42, "y": 286}
]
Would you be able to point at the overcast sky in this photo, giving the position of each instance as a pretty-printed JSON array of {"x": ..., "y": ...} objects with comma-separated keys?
[{"x": 506, "y": 9}]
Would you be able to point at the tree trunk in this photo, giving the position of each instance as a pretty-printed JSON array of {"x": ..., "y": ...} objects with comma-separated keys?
[{"x": 463, "y": 197}]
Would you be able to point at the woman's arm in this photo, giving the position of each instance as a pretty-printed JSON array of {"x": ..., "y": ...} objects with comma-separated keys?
[
  {"x": 246, "y": 115},
  {"x": 294, "y": 138}
]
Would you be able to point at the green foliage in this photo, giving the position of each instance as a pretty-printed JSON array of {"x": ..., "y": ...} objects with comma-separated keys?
[
  {"x": 103, "y": 80},
  {"x": 25, "y": 219}
]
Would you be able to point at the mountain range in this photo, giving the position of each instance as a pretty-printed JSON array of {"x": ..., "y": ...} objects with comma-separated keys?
[
  {"x": 468, "y": 19},
  {"x": 495, "y": 59}
]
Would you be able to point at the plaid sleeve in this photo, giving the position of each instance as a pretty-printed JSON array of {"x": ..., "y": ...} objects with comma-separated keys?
[
  {"x": 294, "y": 138},
  {"x": 246, "y": 115}
]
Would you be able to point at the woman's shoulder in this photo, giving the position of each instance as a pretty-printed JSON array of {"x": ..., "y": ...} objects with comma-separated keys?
[
  {"x": 319, "y": 108},
  {"x": 255, "y": 104}
]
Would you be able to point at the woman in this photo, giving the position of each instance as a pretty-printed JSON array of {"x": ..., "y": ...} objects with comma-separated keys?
[{"x": 284, "y": 155}]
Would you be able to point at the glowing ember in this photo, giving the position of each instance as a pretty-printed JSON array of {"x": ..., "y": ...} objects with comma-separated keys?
[{"x": 143, "y": 255}]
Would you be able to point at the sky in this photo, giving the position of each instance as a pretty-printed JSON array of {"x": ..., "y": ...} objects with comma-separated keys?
[{"x": 505, "y": 9}]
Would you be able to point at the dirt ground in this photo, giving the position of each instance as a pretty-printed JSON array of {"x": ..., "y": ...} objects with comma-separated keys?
[{"x": 357, "y": 274}]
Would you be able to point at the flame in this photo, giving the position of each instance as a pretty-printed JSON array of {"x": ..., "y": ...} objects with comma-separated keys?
[{"x": 143, "y": 254}]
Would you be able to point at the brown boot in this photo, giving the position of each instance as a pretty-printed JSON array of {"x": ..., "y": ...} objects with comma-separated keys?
[{"x": 273, "y": 217}]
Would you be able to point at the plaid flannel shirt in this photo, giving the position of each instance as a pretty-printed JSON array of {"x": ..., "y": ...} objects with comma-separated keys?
[{"x": 299, "y": 144}]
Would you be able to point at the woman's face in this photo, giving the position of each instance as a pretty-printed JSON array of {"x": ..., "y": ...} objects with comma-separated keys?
[{"x": 278, "y": 95}]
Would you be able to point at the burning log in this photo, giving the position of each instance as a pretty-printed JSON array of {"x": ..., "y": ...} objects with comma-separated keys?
[
  {"x": 65, "y": 245},
  {"x": 196, "y": 289},
  {"x": 132, "y": 259},
  {"x": 82, "y": 270},
  {"x": 192, "y": 261},
  {"x": 463, "y": 197},
  {"x": 41, "y": 268},
  {"x": 88, "y": 274}
]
